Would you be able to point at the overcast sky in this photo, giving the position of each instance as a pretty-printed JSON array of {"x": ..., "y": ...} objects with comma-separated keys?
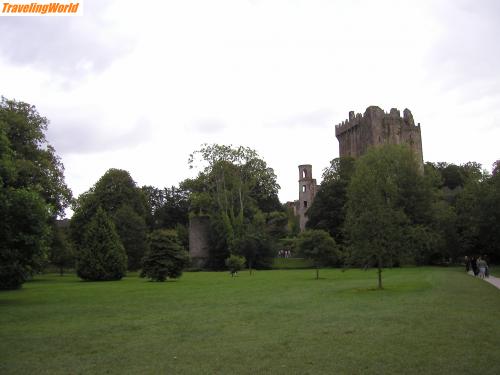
[{"x": 140, "y": 85}]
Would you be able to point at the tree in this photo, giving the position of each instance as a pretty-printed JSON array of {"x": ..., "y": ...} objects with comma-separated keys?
[
  {"x": 165, "y": 258},
  {"x": 478, "y": 217},
  {"x": 24, "y": 235},
  {"x": 126, "y": 205},
  {"x": 234, "y": 263},
  {"x": 131, "y": 229},
  {"x": 169, "y": 207},
  {"x": 387, "y": 194},
  {"x": 233, "y": 188},
  {"x": 61, "y": 252},
  {"x": 101, "y": 256},
  {"x": 328, "y": 209},
  {"x": 256, "y": 248},
  {"x": 318, "y": 246},
  {"x": 32, "y": 192}
]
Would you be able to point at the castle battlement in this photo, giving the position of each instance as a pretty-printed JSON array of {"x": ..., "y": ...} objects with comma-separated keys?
[
  {"x": 376, "y": 127},
  {"x": 374, "y": 112}
]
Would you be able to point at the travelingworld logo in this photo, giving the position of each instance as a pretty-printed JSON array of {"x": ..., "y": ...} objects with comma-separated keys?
[{"x": 42, "y": 8}]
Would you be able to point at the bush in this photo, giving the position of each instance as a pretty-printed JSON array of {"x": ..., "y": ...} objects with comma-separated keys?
[
  {"x": 234, "y": 263},
  {"x": 166, "y": 258},
  {"x": 102, "y": 256}
]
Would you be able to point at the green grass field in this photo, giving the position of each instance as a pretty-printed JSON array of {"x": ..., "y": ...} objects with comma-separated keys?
[
  {"x": 292, "y": 263},
  {"x": 426, "y": 321}
]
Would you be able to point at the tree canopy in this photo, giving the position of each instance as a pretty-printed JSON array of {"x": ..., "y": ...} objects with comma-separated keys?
[
  {"x": 234, "y": 187},
  {"x": 386, "y": 195},
  {"x": 126, "y": 205},
  {"x": 32, "y": 192}
]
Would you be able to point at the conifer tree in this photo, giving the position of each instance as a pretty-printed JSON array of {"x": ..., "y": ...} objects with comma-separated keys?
[
  {"x": 166, "y": 258},
  {"x": 101, "y": 256}
]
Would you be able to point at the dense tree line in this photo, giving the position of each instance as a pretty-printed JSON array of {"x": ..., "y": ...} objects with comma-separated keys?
[
  {"x": 379, "y": 210},
  {"x": 383, "y": 211}
]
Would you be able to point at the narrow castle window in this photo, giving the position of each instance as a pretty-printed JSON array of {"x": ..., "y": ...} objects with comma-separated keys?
[
  {"x": 304, "y": 174},
  {"x": 303, "y": 188},
  {"x": 305, "y": 204}
]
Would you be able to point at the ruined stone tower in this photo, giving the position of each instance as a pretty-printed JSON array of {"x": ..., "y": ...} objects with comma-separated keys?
[
  {"x": 307, "y": 191},
  {"x": 376, "y": 127},
  {"x": 199, "y": 230}
]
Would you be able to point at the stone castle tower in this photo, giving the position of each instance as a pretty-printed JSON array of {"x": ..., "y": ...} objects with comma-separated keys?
[
  {"x": 376, "y": 127},
  {"x": 307, "y": 191}
]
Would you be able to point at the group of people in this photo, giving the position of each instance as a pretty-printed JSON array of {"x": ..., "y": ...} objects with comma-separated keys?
[
  {"x": 477, "y": 265},
  {"x": 284, "y": 253}
]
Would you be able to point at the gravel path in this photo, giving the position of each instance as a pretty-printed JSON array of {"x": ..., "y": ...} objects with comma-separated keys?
[{"x": 492, "y": 280}]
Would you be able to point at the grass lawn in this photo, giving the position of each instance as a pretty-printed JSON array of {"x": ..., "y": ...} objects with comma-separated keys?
[
  {"x": 292, "y": 263},
  {"x": 426, "y": 321}
]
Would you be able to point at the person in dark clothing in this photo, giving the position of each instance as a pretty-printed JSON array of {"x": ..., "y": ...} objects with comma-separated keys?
[
  {"x": 467, "y": 264},
  {"x": 475, "y": 268}
]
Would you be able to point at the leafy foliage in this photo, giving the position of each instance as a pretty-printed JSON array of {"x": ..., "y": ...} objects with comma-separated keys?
[
  {"x": 387, "y": 194},
  {"x": 132, "y": 231},
  {"x": 234, "y": 263},
  {"x": 319, "y": 246},
  {"x": 24, "y": 235},
  {"x": 169, "y": 207},
  {"x": 102, "y": 256},
  {"x": 328, "y": 209},
  {"x": 61, "y": 252},
  {"x": 32, "y": 192},
  {"x": 165, "y": 258},
  {"x": 235, "y": 188},
  {"x": 35, "y": 164},
  {"x": 117, "y": 194}
]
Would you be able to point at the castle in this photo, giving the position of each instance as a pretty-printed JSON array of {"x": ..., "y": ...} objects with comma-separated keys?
[
  {"x": 355, "y": 135},
  {"x": 376, "y": 127}
]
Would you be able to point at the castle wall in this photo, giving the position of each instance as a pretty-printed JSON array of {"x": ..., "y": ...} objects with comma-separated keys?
[
  {"x": 199, "y": 230},
  {"x": 376, "y": 127}
]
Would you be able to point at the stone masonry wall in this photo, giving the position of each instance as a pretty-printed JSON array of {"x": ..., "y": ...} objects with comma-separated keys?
[{"x": 376, "y": 127}]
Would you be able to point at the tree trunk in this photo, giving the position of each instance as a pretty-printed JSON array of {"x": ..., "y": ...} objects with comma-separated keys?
[
  {"x": 379, "y": 264},
  {"x": 317, "y": 272},
  {"x": 250, "y": 267}
]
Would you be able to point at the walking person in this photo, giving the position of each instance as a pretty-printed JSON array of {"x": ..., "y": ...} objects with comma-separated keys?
[
  {"x": 473, "y": 263},
  {"x": 467, "y": 264},
  {"x": 482, "y": 265}
]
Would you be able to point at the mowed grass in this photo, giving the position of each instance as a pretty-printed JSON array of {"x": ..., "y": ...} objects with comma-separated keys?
[{"x": 426, "y": 321}]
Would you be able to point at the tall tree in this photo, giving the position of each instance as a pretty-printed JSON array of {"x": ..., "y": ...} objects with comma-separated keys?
[
  {"x": 34, "y": 160},
  {"x": 233, "y": 187},
  {"x": 117, "y": 194},
  {"x": 101, "y": 256},
  {"x": 32, "y": 192},
  {"x": 328, "y": 209},
  {"x": 387, "y": 194}
]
